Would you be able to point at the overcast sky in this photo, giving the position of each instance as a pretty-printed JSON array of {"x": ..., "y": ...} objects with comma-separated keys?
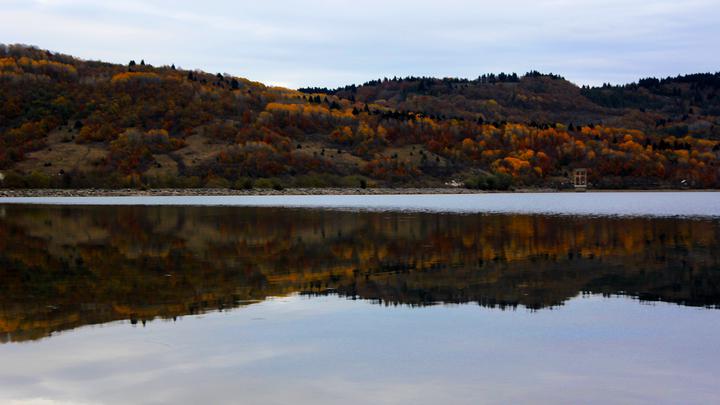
[{"x": 338, "y": 42}]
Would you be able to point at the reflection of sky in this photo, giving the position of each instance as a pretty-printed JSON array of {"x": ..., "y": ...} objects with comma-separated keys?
[
  {"x": 653, "y": 204},
  {"x": 332, "y": 350},
  {"x": 338, "y": 42}
]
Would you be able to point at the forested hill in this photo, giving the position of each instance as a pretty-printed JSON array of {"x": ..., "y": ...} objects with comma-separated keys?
[
  {"x": 671, "y": 106},
  {"x": 66, "y": 122}
]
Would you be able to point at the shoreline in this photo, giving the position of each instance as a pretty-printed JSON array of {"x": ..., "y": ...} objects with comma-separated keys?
[{"x": 12, "y": 193}]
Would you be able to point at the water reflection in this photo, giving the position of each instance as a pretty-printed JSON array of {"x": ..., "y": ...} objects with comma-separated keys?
[{"x": 64, "y": 267}]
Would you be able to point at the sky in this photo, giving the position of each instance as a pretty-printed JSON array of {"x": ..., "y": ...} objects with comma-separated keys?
[{"x": 330, "y": 43}]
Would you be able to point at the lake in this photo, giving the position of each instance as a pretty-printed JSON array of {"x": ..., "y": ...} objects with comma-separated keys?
[{"x": 492, "y": 298}]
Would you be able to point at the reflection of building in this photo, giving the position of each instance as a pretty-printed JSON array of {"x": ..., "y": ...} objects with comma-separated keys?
[{"x": 580, "y": 179}]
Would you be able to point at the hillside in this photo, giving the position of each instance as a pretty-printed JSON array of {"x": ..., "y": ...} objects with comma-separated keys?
[
  {"x": 674, "y": 106},
  {"x": 71, "y": 123}
]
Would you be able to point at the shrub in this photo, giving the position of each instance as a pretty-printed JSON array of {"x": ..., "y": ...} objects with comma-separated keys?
[
  {"x": 497, "y": 181},
  {"x": 217, "y": 182},
  {"x": 243, "y": 183},
  {"x": 38, "y": 180},
  {"x": 263, "y": 183}
]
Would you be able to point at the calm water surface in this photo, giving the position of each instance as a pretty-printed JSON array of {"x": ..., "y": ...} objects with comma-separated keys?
[
  {"x": 251, "y": 304},
  {"x": 663, "y": 204}
]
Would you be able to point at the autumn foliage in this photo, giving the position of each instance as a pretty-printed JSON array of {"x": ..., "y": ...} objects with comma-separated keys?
[
  {"x": 218, "y": 129},
  {"x": 67, "y": 268}
]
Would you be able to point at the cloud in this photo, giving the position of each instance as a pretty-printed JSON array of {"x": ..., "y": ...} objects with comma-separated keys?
[
  {"x": 331, "y": 43},
  {"x": 42, "y": 401}
]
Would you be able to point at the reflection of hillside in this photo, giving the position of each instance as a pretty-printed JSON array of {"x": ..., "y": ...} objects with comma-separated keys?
[{"x": 66, "y": 267}]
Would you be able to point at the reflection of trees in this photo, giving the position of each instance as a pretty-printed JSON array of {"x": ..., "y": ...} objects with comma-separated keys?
[{"x": 66, "y": 267}]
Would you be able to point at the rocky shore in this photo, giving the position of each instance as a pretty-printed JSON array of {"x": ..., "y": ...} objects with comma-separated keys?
[
  {"x": 288, "y": 191},
  {"x": 226, "y": 192}
]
